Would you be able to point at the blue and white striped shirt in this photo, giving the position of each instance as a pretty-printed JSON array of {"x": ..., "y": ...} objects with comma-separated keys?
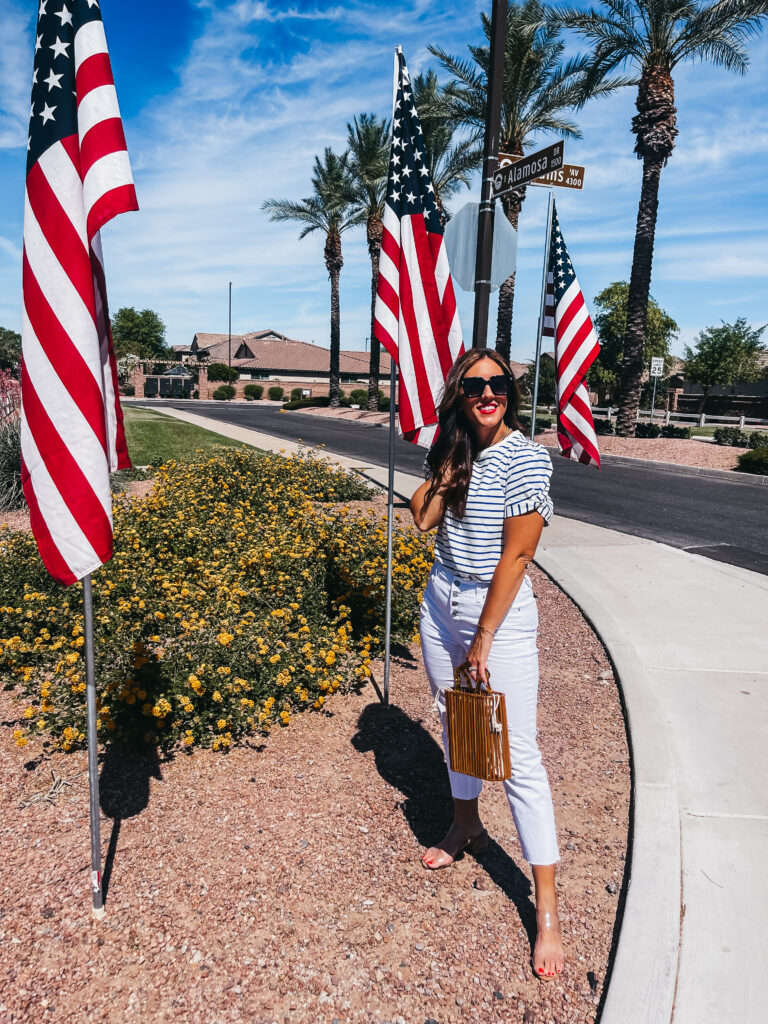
[{"x": 509, "y": 478}]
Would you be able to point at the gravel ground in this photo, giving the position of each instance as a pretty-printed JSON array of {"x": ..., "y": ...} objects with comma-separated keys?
[{"x": 281, "y": 882}]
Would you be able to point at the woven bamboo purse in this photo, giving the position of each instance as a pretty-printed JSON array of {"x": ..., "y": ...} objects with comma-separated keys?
[{"x": 477, "y": 728}]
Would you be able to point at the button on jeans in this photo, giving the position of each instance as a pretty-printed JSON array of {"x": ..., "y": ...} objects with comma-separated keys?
[{"x": 449, "y": 616}]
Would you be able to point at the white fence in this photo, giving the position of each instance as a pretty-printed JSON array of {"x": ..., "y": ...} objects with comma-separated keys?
[{"x": 665, "y": 417}]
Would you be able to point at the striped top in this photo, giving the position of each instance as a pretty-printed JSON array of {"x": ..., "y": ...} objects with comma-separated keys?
[{"x": 509, "y": 478}]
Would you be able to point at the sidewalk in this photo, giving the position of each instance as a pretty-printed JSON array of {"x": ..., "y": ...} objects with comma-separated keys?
[{"x": 692, "y": 660}]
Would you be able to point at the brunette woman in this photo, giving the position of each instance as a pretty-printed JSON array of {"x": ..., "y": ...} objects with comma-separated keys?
[{"x": 487, "y": 493}]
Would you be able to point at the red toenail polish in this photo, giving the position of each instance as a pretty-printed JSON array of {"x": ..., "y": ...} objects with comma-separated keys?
[{"x": 541, "y": 970}]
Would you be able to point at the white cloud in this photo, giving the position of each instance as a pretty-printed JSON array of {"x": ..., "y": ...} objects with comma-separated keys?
[{"x": 15, "y": 73}]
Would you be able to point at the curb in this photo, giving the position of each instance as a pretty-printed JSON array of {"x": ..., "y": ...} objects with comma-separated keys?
[
  {"x": 681, "y": 470},
  {"x": 640, "y": 987}
]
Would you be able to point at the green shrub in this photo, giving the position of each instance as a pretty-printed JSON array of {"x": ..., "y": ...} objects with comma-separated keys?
[
  {"x": 129, "y": 390},
  {"x": 604, "y": 426},
  {"x": 383, "y": 402},
  {"x": 220, "y": 371},
  {"x": 731, "y": 436},
  {"x": 253, "y": 601},
  {"x": 672, "y": 431},
  {"x": 322, "y": 401},
  {"x": 11, "y": 493},
  {"x": 253, "y": 392},
  {"x": 224, "y": 393},
  {"x": 195, "y": 393},
  {"x": 542, "y": 422},
  {"x": 758, "y": 439},
  {"x": 275, "y": 393},
  {"x": 754, "y": 461},
  {"x": 647, "y": 430},
  {"x": 359, "y": 397},
  {"x": 295, "y": 394}
]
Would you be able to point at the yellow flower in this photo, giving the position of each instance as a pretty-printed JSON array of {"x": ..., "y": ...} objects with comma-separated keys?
[
  {"x": 225, "y": 638},
  {"x": 216, "y": 696},
  {"x": 222, "y": 723}
]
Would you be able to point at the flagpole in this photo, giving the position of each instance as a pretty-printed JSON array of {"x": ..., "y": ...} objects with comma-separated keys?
[
  {"x": 540, "y": 331},
  {"x": 484, "y": 251},
  {"x": 390, "y": 525},
  {"x": 93, "y": 751}
]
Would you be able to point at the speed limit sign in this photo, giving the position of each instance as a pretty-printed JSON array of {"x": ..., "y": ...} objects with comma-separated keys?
[{"x": 657, "y": 366}]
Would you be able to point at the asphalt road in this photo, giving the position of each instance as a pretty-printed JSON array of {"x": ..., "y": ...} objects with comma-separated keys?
[{"x": 724, "y": 520}]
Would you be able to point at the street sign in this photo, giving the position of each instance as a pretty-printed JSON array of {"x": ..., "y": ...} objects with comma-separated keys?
[
  {"x": 657, "y": 366},
  {"x": 567, "y": 176},
  {"x": 461, "y": 246},
  {"x": 513, "y": 175}
]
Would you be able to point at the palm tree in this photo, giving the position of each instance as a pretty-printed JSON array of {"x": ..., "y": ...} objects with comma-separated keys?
[
  {"x": 654, "y": 36},
  {"x": 539, "y": 90},
  {"x": 330, "y": 209},
  {"x": 368, "y": 148},
  {"x": 450, "y": 165}
]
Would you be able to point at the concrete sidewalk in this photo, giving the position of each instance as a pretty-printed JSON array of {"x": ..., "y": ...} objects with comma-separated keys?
[{"x": 689, "y": 643}]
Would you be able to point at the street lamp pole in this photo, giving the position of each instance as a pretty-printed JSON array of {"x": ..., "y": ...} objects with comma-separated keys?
[
  {"x": 484, "y": 250},
  {"x": 229, "y": 357}
]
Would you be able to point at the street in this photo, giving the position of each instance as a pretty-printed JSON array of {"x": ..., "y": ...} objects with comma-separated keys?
[{"x": 720, "y": 519}]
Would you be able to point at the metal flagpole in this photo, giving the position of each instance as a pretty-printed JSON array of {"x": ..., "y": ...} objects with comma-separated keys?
[
  {"x": 390, "y": 523},
  {"x": 391, "y": 475},
  {"x": 542, "y": 307},
  {"x": 93, "y": 751},
  {"x": 484, "y": 252}
]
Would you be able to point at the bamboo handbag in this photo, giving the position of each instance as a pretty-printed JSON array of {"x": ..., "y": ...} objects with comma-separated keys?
[{"x": 477, "y": 728}]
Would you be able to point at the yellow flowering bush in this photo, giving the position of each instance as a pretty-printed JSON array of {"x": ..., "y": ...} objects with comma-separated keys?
[{"x": 241, "y": 591}]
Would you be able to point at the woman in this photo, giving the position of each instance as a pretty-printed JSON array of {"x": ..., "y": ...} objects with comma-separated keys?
[{"x": 487, "y": 492}]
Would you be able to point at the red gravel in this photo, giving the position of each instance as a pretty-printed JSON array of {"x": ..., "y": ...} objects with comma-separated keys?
[{"x": 280, "y": 883}]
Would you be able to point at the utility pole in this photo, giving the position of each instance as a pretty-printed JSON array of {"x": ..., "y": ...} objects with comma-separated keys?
[
  {"x": 229, "y": 357},
  {"x": 490, "y": 161}
]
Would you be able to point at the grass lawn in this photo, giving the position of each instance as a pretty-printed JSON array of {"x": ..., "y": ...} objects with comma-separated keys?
[{"x": 153, "y": 438}]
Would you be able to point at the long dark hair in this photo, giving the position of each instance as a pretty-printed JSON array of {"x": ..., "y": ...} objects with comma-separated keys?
[{"x": 451, "y": 456}]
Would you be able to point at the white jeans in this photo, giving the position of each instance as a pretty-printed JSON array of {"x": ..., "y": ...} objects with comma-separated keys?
[{"x": 449, "y": 616}]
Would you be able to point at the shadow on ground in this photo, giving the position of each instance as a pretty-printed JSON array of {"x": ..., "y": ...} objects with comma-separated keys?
[
  {"x": 409, "y": 759},
  {"x": 124, "y": 792}
]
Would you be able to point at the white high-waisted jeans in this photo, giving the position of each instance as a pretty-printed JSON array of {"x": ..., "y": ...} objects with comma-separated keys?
[{"x": 449, "y": 616}]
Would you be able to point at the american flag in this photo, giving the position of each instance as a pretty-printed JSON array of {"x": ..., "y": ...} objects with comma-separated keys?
[
  {"x": 78, "y": 178},
  {"x": 415, "y": 315},
  {"x": 567, "y": 320}
]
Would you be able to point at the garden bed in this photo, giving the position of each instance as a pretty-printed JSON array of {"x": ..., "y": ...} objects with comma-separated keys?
[{"x": 280, "y": 883}]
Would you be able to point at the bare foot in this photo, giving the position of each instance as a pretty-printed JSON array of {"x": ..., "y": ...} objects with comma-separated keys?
[
  {"x": 548, "y": 956},
  {"x": 447, "y": 850}
]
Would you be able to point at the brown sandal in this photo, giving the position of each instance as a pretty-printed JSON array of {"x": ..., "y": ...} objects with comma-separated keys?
[{"x": 475, "y": 844}]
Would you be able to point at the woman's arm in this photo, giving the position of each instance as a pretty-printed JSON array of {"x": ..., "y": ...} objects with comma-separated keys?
[
  {"x": 427, "y": 518},
  {"x": 521, "y": 537}
]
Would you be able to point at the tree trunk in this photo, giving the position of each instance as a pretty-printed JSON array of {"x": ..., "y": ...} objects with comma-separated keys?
[
  {"x": 655, "y": 128},
  {"x": 333, "y": 385},
  {"x": 512, "y": 204},
  {"x": 637, "y": 300},
  {"x": 374, "y": 251}
]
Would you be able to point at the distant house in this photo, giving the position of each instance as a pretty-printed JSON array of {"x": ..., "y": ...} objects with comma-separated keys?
[{"x": 271, "y": 356}]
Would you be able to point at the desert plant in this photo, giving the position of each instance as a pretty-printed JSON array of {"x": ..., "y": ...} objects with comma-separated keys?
[
  {"x": 11, "y": 493},
  {"x": 253, "y": 392},
  {"x": 672, "y": 431},
  {"x": 731, "y": 436},
  {"x": 275, "y": 393},
  {"x": 647, "y": 430},
  {"x": 758, "y": 439}
]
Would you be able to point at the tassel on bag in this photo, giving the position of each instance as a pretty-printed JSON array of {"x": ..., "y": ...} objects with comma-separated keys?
[{"x": 478, "y": 744}]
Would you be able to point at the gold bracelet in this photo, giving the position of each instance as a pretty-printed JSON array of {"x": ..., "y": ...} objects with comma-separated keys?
[{"x": 484, "y": 629}]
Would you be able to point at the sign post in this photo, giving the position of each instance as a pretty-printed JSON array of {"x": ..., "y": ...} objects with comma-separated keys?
[
  {"x": 657, "y": 370},
  {"x": 567, "y": 176}
]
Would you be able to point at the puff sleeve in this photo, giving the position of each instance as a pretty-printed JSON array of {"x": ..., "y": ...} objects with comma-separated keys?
[{"x": 527, "y": 483}]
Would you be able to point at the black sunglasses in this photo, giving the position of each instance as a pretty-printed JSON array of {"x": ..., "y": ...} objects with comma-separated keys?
[{"x": 473, "y": 387}]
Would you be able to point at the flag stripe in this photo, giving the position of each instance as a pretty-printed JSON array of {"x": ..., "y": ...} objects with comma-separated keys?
[{"x": 94, "y": 72}]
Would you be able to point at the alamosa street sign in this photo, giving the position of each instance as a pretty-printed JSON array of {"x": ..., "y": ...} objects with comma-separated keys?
[{"x": 567, "y": 176}]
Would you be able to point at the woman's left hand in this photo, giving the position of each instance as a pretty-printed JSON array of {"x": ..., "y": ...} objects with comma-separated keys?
[{"x": 477, "y": 657}]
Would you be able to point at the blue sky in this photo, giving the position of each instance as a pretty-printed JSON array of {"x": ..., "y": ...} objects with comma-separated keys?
[{"x": 225, "y": 104}]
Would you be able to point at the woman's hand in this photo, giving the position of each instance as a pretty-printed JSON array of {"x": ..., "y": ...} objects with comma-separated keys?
[
  {"x": 479, "y": 649},
  {"x": 427, "y": 517}
]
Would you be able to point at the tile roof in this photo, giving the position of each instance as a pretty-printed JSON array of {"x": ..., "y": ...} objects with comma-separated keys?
[{"x": 276, "y": 352}]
